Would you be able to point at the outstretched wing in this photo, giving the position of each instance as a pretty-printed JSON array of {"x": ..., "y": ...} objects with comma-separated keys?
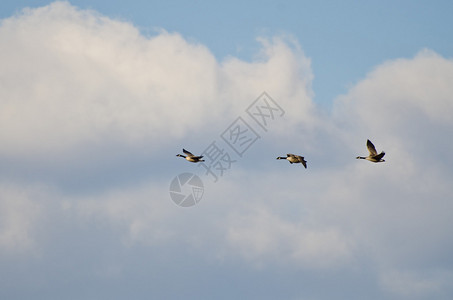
[
  {"x": 371, "y": 148},
  {"x": 187, "y": 152},
  {"x": 302, "y": 160},
  {"x": 380, "y": 155}
]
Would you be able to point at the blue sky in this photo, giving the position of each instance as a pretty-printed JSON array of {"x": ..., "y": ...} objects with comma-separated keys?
[{"x": 97, "y": 98}]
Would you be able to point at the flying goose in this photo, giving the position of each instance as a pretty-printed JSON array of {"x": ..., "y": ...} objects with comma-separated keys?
[
  {"x": 373, "y": 156},
  {"x": 190, "y": 157},
  {"x": 294, "y": 159}
]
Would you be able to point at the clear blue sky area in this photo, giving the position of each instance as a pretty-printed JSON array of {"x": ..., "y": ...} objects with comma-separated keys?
[{"x": 344, "y": 39}]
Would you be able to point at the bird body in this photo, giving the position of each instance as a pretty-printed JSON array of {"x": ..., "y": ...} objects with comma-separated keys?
[
  {"x": 190, "y": 157},
  {"x": 294, "y": 159},
  {"x": 373, "y": 155}
]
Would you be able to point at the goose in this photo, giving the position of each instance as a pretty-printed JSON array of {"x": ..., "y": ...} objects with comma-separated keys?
[
  {"x": 373, "y": 156},
  {"x": 190, "y": 157},
  {"x": 294, "y": 159}
]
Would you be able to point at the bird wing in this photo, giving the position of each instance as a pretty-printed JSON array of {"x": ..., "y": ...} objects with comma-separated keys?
[
  {"x": 371, "y": 148},
  {"x": 301, "y": 159},
  {"x": 290, "y": 155},
  {"x": 380, "y": 155},
  {"x": 304, "y": 162},
  {"x": 187, "y": 152}
]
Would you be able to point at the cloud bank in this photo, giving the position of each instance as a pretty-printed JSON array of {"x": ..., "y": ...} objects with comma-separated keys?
[{"x": 89, "y": 100}]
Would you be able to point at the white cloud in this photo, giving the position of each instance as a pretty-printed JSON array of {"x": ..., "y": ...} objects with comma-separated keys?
[
  {"x": 404, "y": 101},
  {"x": 415, "y": 285},
  {"x": 20, "y": 213},
  {"x": 262, "y": 238},
  {"x": 403, "y": 88},
  {"x": 73, "y": 80},
  {"x": 139, "y": 213},
  {"x": 399, "y": 208},
  {"x": 80, "y": 87},
  {"x": 88, "y": 77}
]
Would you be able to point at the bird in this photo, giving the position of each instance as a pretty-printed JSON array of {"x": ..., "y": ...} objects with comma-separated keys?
[
  {"x": 373, "y": 156},
  {"x": 294, "y": 159},
  {"x": 190, "y": 157}
]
